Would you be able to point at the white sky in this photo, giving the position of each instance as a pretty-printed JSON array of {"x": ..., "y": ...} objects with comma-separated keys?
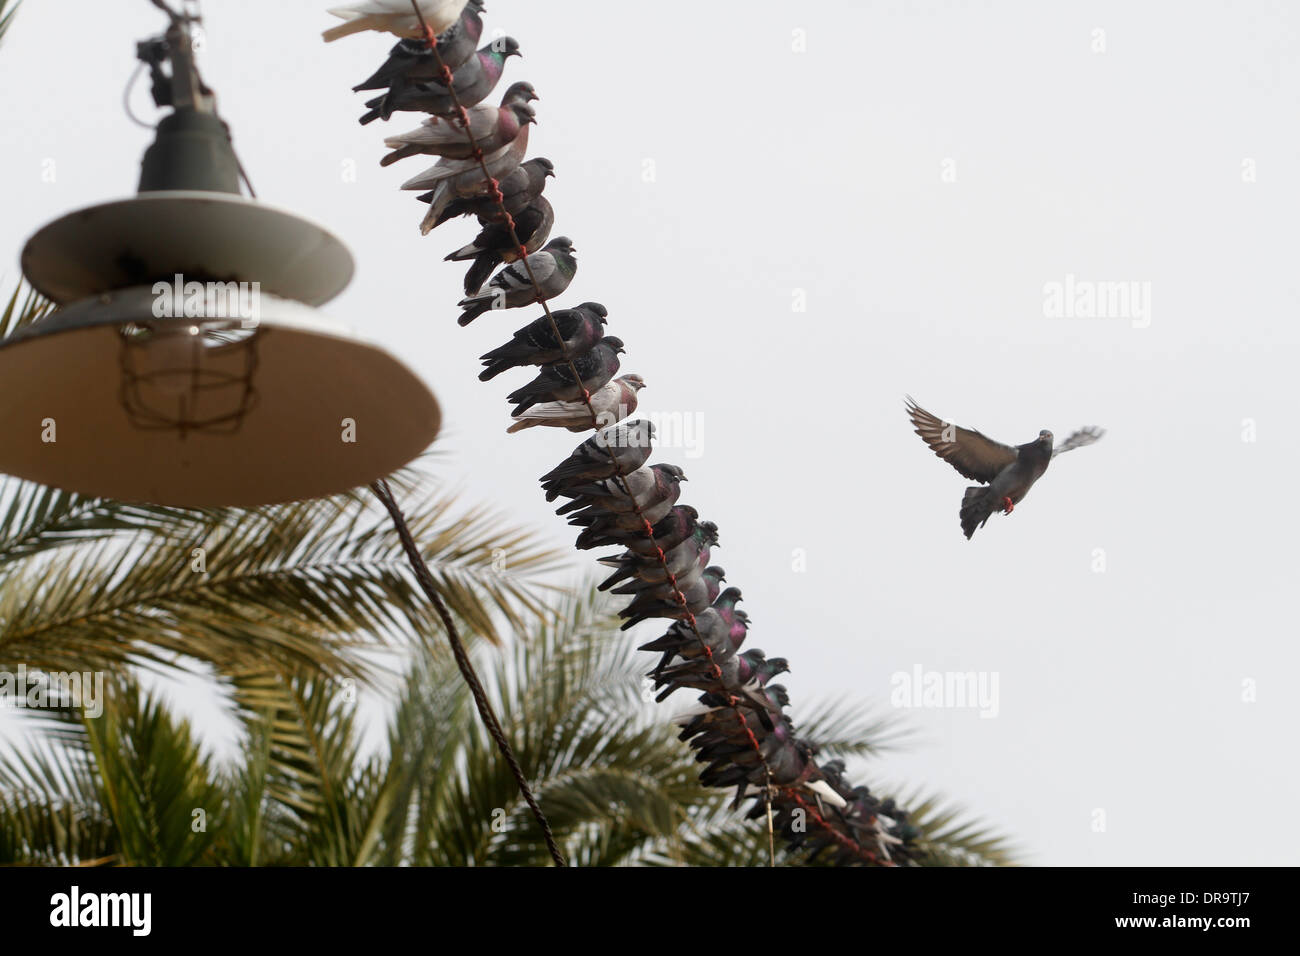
[{"x": 820, "y": 171}]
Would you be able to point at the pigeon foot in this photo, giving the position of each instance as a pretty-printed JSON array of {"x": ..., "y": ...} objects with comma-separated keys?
[{"x": 1008, "y": 507}]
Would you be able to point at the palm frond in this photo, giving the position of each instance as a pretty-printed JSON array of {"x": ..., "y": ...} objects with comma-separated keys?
[
  {"x": 305, "y": 582},
  {"x": 948, "y": 837}
]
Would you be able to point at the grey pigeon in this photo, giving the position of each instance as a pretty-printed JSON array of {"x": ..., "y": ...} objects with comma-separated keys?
[
  {"x": 497, "y": 243},
  {"x": 518, "y": 190},
  {"x": 411, "y": 59},
  {"x": 512, "y": 288},
  {"x": 454, "y": 179},
  {"x": 628, "y": 514},
  {"x": 556, "y": 382},
  {"x": 491, "y": 127},
  {"x": 535, "y": 344},
  {"x": 619, "y": 450},
  {"x": 472, "y": 83},
  {"x": 1007, "y": 472},
  {"x": 693, "y": 551},
  {"x": 665, "y": 534},
  {"x": 611, "y": 404},
  {"x": 698, "y": 595},
  {"x": 647, "y": 487}
]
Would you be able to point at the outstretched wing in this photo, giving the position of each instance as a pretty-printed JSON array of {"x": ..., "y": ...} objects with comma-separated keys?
[
  {"x": 1084, "y": 436},
  {"x": 976, "y": 456}
]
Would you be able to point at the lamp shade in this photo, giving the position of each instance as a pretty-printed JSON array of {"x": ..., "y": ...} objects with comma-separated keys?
[
  {"x": 197, "y": 234},
  {"x": 106, "y": 398}
]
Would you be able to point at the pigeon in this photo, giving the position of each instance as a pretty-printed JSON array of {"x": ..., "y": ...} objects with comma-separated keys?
[
  {"x": 668, "y": 532},
  {"x": 552, "y": 267},
  {"x": 698, "y": 596},
  {"x": 411, "y": 59},
  {"x": 472, "y": 83},
  {"x": 619, "y": 450},
  {"x": 395, "y": 17},
  {"x": 498, "y": 243},
  {"x": 746, "y": 671},
  {"x": 681, "y": 641},
  {"x": 556, "y": 382},
  {"x": 677, "y": 562},
  {"x": 647, "y": 486},
  {"x": 1008, "y": 472},
  {"x": 535, "y": 344},
  {"x": 492, "y": 127},
  {"x": 671, "y": 530},
  {"x": 611, "y": 404},
  {"x": 632, "y": 513},
  {"x": 518, "y": 190},
  {"x": 453, "y": 179}
]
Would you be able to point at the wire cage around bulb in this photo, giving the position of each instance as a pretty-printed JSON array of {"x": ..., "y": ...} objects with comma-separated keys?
[
  {"x": 106, "y": 398},
  {"x": 185, "y": 375}
]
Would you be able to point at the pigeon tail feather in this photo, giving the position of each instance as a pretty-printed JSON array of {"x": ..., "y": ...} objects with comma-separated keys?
[{"x": 976, "y": 505}]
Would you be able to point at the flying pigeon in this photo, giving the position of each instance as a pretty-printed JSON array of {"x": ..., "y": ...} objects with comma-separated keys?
[
  {"x": 611, "y": 404},
  {"x": 411, "y": 59},
  {"x": 556, "y": 382},
  {"x": 518, "y": 191},
  {"x": 1009, "y": 472},
  {"x": 552, "y": 266},
  {"x": 472, "y": 83},
  {"x": 535, "y": 344},
  {"x": 496, "y": 243},
  {"x": 394, "y": 16},
  {"x": 491, "y": 126},
  {"x": 453, "y": 179}
]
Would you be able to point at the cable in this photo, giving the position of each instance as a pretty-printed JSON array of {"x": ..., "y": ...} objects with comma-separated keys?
[
  {"x": 462, "y": 115},
  {"x": 385, "y": 495}
]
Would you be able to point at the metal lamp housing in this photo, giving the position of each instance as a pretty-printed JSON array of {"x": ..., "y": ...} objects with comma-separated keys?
[{"x": 308, "y": 409}]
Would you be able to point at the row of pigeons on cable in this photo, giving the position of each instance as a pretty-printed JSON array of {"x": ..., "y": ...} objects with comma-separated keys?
[{"x": 611, "y": 491}]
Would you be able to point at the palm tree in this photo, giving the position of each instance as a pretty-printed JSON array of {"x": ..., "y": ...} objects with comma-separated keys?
[{"x": 132, "y": 786}]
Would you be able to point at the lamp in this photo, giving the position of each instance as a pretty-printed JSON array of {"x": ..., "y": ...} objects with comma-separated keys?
[{"x": 187, "y": 364}]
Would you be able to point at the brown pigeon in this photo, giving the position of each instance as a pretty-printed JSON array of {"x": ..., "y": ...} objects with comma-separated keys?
[{"x": 1008, "y": 472}]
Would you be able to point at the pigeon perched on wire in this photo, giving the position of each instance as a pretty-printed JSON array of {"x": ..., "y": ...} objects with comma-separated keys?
[
  {"x": 395, "y": 17},
  {"x": 412, "y": 60},
  {"x": 612, "y": 403},
  {"x": 491, "y": 126},
  {"x": 619, "y": 450},
  {"x": 663, "y": 602},
  {"x": 535, "y": 344},
  {"x": 497, "y": 243},
  {"x": 472, "y": 83},
  {"x": 556, "y": 381},
  {"x": 668, "y": 532},
  {"x": 1007, "y": 472},
  {"x": 652, "y": 507},
  {"x": 677, "y": 562},
  {"x": 454, "y": 179},
  {"x": 552, "y": 266},
  {"x": 518, "y": 191},
  {"x": 644, "y": 488}
]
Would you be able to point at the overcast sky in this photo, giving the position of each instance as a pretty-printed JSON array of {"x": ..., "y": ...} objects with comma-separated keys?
[{"x": 797, "y": 213}]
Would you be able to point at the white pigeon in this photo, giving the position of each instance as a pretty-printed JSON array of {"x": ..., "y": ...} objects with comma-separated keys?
[
  {"x": 394, "y": 16},
  {"x": 612, "y": 402}
]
